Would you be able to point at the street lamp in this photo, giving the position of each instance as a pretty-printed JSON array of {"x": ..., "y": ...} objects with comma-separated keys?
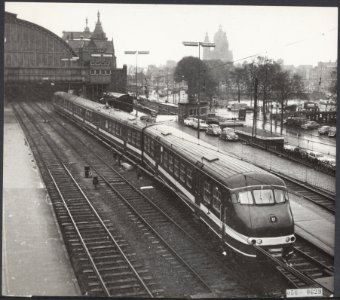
[
  {"x": 136, "y": 52},
  {"x": 199, "y": 45}
]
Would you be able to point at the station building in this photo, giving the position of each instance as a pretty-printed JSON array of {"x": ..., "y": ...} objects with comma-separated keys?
[{"x": 97, "y": 53}]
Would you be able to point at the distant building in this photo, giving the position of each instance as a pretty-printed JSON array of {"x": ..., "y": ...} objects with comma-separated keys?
[
  {"x": 97, "y": 52},
  {"x": 221, "y": 50}
]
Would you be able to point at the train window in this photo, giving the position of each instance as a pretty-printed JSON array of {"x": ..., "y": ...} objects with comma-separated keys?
[
  {"x": 182, "y": 172},
  {"x": 133, "y": 137},
  {"x": 165, "y": 159},
  {"x": 106, "y": 124},
  {"x": 263, "y": 197},
  {"x": 245, "y": 197},
  {"x": 207, "y": 192},
  {"x": 129, "y": 135},
  {"x": 280, "y": 196},
  {"x": 234, "y": 198},
  {"x": 217, "y": 199},
  {"x": 152, "y": 148},
  {"x": 176, "y": 167},
  {"x": 171, "y": 163},
  {"x": 137, "y": 139},
  {"x": 147, "y": 145},
  {"x": 118, "y": 129},
  {"x": 189, "y": 177}
]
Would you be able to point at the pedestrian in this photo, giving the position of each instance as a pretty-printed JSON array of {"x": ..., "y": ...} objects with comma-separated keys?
[
  {"x": 95, "y": 181},
  {"x": 139, "y": 172}
]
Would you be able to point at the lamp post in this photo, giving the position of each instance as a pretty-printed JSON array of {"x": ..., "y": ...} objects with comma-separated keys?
[
  {"x": 199, "y": 45},
  {"x": 136, "y": 52}
]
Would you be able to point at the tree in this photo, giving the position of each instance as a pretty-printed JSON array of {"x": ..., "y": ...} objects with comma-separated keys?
[
  {"x": 197, "y": 75},
  {"x": 286, "y": 86}
]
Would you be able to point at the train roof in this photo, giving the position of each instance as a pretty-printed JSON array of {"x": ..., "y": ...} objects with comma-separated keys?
[
  {"x": 113, "y": 113},
  {"x": 230, "y": 170},
  {"x": 227, "y": 168},
  {"x": 116, "y": 95}
]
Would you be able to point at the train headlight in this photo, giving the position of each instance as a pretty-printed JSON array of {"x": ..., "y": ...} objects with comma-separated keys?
[
  {"x": 287, "y": 239},
  {"x": 259, "y": 241},
  {"x": 251, "y": 241},
  {"x": 293, "y": 238}
]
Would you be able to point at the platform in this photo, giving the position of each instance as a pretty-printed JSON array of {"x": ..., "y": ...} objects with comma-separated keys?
[
  {"x": 34, "y": 258},
  {"x": 313, "y": 224}
]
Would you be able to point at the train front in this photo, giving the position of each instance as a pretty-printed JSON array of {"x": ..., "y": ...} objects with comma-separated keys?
[{"x": 262, "y": 214}]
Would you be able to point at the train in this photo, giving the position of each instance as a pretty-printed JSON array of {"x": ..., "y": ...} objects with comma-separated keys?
[
  {"x": 117, "y": 100},
  {"x": 242, "y": 204}
]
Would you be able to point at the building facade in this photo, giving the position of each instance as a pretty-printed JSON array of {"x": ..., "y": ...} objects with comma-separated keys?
[{"x": 97, "y": 53}]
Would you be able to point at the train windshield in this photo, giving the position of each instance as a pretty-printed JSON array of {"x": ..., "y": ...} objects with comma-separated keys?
[{"x": 262, "y": 197}]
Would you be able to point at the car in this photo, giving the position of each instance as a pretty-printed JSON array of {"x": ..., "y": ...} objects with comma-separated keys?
[
  {"x": 310, "y": 125},
  {"x": 332, "y": 132},
  {"x": 213, "y": 129},
  {"x": 328, "y": 160},
  {"x": 324, "y": 129},
  {"x": 188, "y": 121},
  {"x": 315, "y": 155},
  {"x": 228, "y": 134},
  {"x": 202, "y": 124},
  {"x": 290, "y": 148}
]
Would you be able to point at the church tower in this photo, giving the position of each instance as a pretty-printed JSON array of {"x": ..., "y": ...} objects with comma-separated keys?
[{"x": 206, "y": 50}]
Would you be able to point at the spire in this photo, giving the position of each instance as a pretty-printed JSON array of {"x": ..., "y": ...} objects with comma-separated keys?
[
  {"x": 98, "y": 32},
  {"x": 87, "y": 27},
  {"x": 206, "y": 39}
]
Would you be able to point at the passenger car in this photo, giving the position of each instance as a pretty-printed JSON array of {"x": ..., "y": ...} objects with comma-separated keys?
[
  {"x": 228, "y": 134},
  {"x": 324, "y": 129},
  {"x": 213, "y": 129},
  {"x": 314, "y": 155},
  {"x": 310, "y": 125},
  {"x": 188, "y": 121},
  {"x": 203, "y": 125},
  {"x": 332, "y": 132}
]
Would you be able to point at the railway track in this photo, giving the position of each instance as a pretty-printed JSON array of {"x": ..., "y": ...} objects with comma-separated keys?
[
  {"x": 307, "y": 268},
  {"x": 144, "y": 212},
  {"x": 172, "y": 241},
  {"x": 100, "y": 256},
  {"x": 321, "y": 198}
]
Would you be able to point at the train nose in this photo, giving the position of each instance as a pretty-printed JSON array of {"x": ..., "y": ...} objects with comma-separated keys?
[{"x": 272, "y": 221}]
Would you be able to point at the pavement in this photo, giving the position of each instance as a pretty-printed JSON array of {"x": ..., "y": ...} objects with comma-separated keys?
[
  {"x": 313, "y": 224},
  {"x": 34, "y": 258}
]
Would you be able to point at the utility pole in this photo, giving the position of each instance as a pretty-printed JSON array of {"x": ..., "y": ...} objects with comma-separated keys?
[{"x": 255, "y": 108}]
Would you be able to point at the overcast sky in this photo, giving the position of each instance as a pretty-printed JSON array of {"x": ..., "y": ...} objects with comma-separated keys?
[{"x": 298, "y": 35}]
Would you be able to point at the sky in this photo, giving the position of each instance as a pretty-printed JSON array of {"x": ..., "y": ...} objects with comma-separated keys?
[{"x": 298, "y": 35}]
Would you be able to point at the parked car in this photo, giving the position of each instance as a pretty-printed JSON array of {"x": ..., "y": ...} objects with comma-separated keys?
[
  {"x": 213, "y": 129},
  {"x": 188, "y": 121},
  {"x": 310, "y": 125},
  {"x": 228, "y": 134},
  {"x": 203, "y": 124},
  {"x": 324, "y": 129},
  {"x": 332, "y": 132},
  {"x": 315, "y": 155}
]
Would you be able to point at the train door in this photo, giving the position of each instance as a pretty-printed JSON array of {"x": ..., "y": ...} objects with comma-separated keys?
[
  {"x": 197, "y": 188},
  {"x": 225, "y": 213}
]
